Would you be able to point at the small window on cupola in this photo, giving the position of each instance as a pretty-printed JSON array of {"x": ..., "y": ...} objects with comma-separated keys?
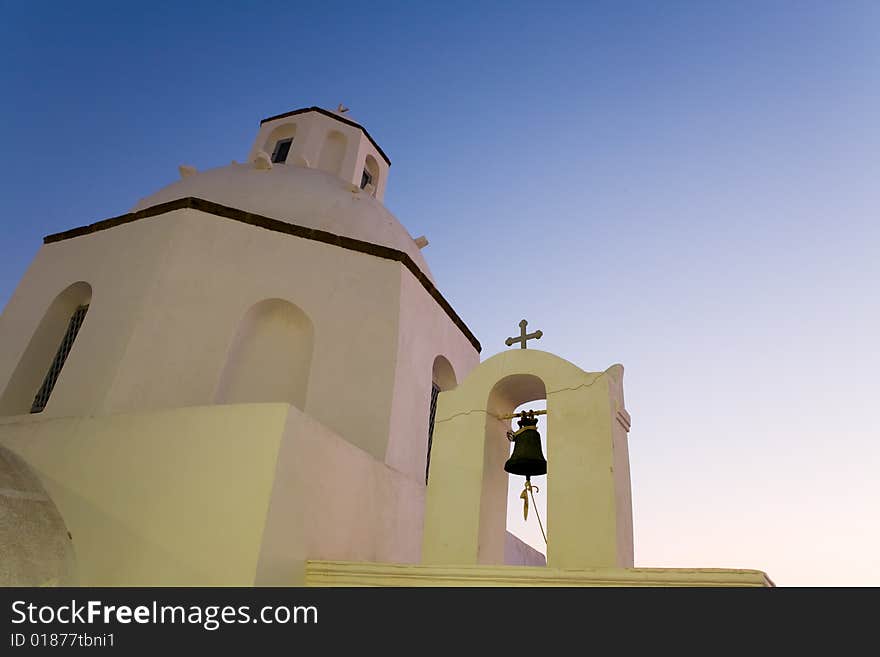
[
  {"x": 282, "y": 149},
  {"x": 370, "y": 176}
]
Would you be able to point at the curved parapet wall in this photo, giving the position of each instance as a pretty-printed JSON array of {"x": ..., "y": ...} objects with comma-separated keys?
[{"x": 35, "y": 545}]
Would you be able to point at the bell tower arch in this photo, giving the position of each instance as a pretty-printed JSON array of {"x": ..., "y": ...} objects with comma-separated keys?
[{"x": 589, "y": 505}]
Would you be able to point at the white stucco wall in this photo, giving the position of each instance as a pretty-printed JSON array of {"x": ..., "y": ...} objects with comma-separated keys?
[
  {"x": 518, "y": 553},
  {"x": 231, "y": 495},
  {"x": 169, "y": 296},
  {"x": 121, "y": 269},
  {"x": 350, "y": 298},
  {"x": 331, "y": 498},
  {"x": 305, "y": 197},
  {"x": 425, "y": 333}
]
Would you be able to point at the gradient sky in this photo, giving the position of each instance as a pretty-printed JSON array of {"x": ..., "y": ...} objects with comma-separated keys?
[{"x": 688, "y": 188}]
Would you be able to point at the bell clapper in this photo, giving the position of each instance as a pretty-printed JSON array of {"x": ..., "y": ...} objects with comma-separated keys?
[
  {"x": 524, "y": 496},
  {"x": 529, "y": 491}
]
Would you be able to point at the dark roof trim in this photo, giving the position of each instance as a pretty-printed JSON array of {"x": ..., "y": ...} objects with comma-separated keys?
[
  {"x": 341, "y": 119},
  {"x": 279, "y": 227}
]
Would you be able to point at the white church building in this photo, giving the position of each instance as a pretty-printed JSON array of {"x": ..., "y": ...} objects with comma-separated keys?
[{"x": 252, "y": 378}]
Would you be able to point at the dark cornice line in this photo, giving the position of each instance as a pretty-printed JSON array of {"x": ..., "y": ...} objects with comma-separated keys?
[
  {"x": 341, "y": 119},
  {"x": 277, "y": 226}
]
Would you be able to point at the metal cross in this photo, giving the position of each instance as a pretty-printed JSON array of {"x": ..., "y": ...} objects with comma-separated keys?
[{"x": 523, "y": 337}]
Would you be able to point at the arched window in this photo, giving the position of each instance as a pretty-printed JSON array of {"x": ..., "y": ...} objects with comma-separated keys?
[
  {"x": 73, "y": 326},
  {"x": 370, "y": 175},
  {"x": 281, "y": 150},
  {"x": 332, "y": 152},
  {"x": 37, "y": 372},
  {"x": 280, "y": 142},
  {"x": 270, "y": 356},
  {"x": 442, "y": 378}
]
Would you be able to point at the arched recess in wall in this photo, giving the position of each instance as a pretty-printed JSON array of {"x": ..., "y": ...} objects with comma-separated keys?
[
  {"x": 371, "y": 173},
  {"x": 270, "y": 357},
  {"x": 442, "y": 379},
  {"x": 39, "y": 367},
  {"x": 333, "y": 152},
  {"x": 275, "y": 142}
]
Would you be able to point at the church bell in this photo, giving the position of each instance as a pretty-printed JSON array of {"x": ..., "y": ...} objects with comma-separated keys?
[{"x": 527, "y": 458}]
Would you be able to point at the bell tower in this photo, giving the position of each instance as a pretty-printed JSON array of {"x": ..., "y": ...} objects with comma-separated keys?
[
  {"x": 330, "y": 141},
  {"x": 589, "y": 505}
]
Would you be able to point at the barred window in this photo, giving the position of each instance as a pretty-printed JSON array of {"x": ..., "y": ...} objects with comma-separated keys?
[
  {"x": 435, "y": 391},
  {"x": 45, "y": 391}
]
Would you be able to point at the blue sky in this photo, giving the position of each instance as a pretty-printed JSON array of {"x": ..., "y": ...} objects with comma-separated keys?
[{"x": 696, "y": 186}]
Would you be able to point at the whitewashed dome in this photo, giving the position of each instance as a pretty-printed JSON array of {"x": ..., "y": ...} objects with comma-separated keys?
[{"x": 297, "y": 195}]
